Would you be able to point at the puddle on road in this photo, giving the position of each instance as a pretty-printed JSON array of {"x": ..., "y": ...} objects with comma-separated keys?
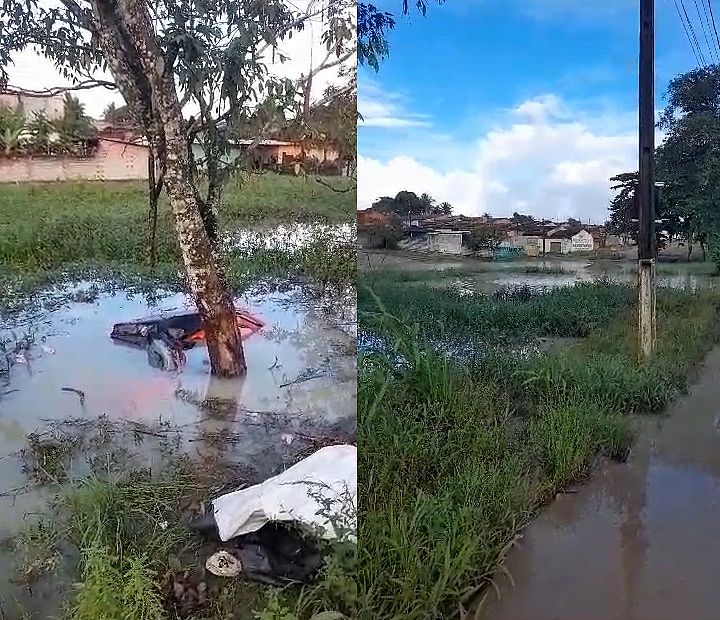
[{"x": 641, "y": 540}]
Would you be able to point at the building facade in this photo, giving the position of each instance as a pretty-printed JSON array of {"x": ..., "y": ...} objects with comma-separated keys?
[{"x": 112, "y": 160}]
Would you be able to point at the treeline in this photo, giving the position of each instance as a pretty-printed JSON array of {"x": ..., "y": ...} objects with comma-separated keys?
[
  {"x": 409, "y": 203},
  {"x": 687, "y": 168},
  {"x": 39, "y": 135}
]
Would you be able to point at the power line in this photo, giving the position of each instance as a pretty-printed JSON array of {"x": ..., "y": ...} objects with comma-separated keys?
[
  {"x": 694, "y": 36},
  {"x": 711, "y": 49},
  {"x": 687, "y": 32},
  {"x": 713, "y": 23},
  {"x": 716, "y": 44}
]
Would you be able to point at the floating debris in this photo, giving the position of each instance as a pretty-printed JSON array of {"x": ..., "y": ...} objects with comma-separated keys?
[
  {"x": 223, "y": 564},
  {"x": 80, "y": 393}
]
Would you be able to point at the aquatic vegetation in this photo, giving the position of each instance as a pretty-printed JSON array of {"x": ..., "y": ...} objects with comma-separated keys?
[
  {"x": 461, "y": 451},
  {"x": 56, "y": 225}
]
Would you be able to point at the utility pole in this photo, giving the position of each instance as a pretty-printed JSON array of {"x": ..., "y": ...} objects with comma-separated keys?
[{"x": 646, "y": 202}]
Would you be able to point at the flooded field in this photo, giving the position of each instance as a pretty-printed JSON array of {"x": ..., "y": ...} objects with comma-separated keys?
[
  {"x": 641, "y": 539},
  {"x": 62, "y": 368},
  {"x": 471, "y": 276},
  {"x": 289, "y": 236}
]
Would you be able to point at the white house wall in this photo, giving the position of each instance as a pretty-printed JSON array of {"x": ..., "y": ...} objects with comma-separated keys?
[
  {"x": 582, "y": 242},
  {"x": 446, "y": 243}
]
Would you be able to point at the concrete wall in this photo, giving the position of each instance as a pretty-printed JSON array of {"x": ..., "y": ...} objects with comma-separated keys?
[
  {"x": 446, "y": 243},
  {"x": 562, "y": 245},
  {"x": 113, "y": 161},
  {"x": 54, "y": 107}
]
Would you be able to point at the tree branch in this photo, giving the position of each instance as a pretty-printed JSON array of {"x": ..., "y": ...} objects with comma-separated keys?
[
  {"x": 336, "y": 189},
  {"x": 341, "y": 92},
  {"x": 82, "y": 16},
  {"x": 339, "y": 60},
  {"x": 58, "y": 90}
]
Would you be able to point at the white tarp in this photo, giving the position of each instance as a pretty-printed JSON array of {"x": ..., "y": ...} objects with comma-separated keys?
[{"x": 300, "y": 494}]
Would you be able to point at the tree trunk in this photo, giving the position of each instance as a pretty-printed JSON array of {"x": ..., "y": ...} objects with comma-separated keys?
[
  {"x": 213, "y": 302},
  {"x": 131, "y": 49},
  {"x": 153, "y": 199}
]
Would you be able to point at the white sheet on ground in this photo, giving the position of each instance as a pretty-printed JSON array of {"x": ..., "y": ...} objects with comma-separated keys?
[{"x": 329, "y": 476}]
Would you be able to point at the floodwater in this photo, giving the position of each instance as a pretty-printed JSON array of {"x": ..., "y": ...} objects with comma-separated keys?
[
  {"x": 485, "y": 277},
  {"x": 300, "y": 365},
  {"x": 584, "y": 271},
  {"x": 290, "y": 236},
  {"x": 641, "y": 540},
  {"x": 300, "y": 387}
]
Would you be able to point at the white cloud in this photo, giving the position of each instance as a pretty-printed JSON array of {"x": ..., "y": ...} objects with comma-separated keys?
[
  {"x": 376, "y": 179},
  {"x": 543, "y": 157},
  {"x": 380, "y": 108},
  {"x": 541, "y": 108}
]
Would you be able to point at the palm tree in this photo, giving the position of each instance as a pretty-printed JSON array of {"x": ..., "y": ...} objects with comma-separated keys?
[
  {"x": 427, "y": 202},
  {"x": 12, "y": 125},
  {"x": 445, "y": 208},
  {"x": 110, "y": 113},
  {"x": 76, "y": 124}
]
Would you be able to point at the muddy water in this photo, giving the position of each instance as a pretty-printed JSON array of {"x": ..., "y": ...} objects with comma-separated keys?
[
  {"x": 584, "y": 271},
  {"x": 300, "y": 387},
  {"x": 301, "y": 368},
  {"x": 641, "y": 541}
]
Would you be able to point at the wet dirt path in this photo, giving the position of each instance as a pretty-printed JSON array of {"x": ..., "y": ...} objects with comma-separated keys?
[{"x": 641, "y": 541}]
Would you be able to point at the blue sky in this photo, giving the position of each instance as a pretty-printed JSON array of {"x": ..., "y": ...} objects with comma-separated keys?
[{"x": 503, "y": 105}]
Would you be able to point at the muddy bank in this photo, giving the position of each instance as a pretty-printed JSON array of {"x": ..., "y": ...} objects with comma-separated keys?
[{"x": 641, "y": 540}]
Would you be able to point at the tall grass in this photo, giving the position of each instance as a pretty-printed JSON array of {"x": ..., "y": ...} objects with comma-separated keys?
[
  {"x": 117, "y": 541},
  {"x": 457, "y": 458},
  {"x": 509, "y": 313},
  {"x": 52, "y": 225}
]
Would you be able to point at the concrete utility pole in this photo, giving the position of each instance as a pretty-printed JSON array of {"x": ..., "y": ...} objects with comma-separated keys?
[{"x": 646, "y": 202}]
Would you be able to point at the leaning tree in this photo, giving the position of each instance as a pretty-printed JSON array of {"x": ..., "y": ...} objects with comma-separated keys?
[{"x": 207, "y": 57}]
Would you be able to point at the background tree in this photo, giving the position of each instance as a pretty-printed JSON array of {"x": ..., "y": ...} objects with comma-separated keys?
[
  {"x": 523, "y": 220},
  {"x": 164, "y": 55},
  {"x": 43, "y": 132},
  {"x": 445, "y": 208},
  {"x": 75, "y": 124},
  {"x": 388, "y": 230},
  {"x": 117, "y": 115},
  {"x": 688, "y": 161},
  {"x": 485, "y": 237},
  {"x": 623, "y": 207},
  {"x": 427, "y": 203},
  {"x": 624, "y": 213},
  {"x": 404, "y": 204},
  {"x": 12, "y": 124}
]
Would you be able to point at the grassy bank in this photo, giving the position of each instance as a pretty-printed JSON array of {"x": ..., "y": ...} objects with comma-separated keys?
[
  {"x": 457, "y": 457},
  {"x": 52, "y": 226},
  {"x": 117, "y": 543}
]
